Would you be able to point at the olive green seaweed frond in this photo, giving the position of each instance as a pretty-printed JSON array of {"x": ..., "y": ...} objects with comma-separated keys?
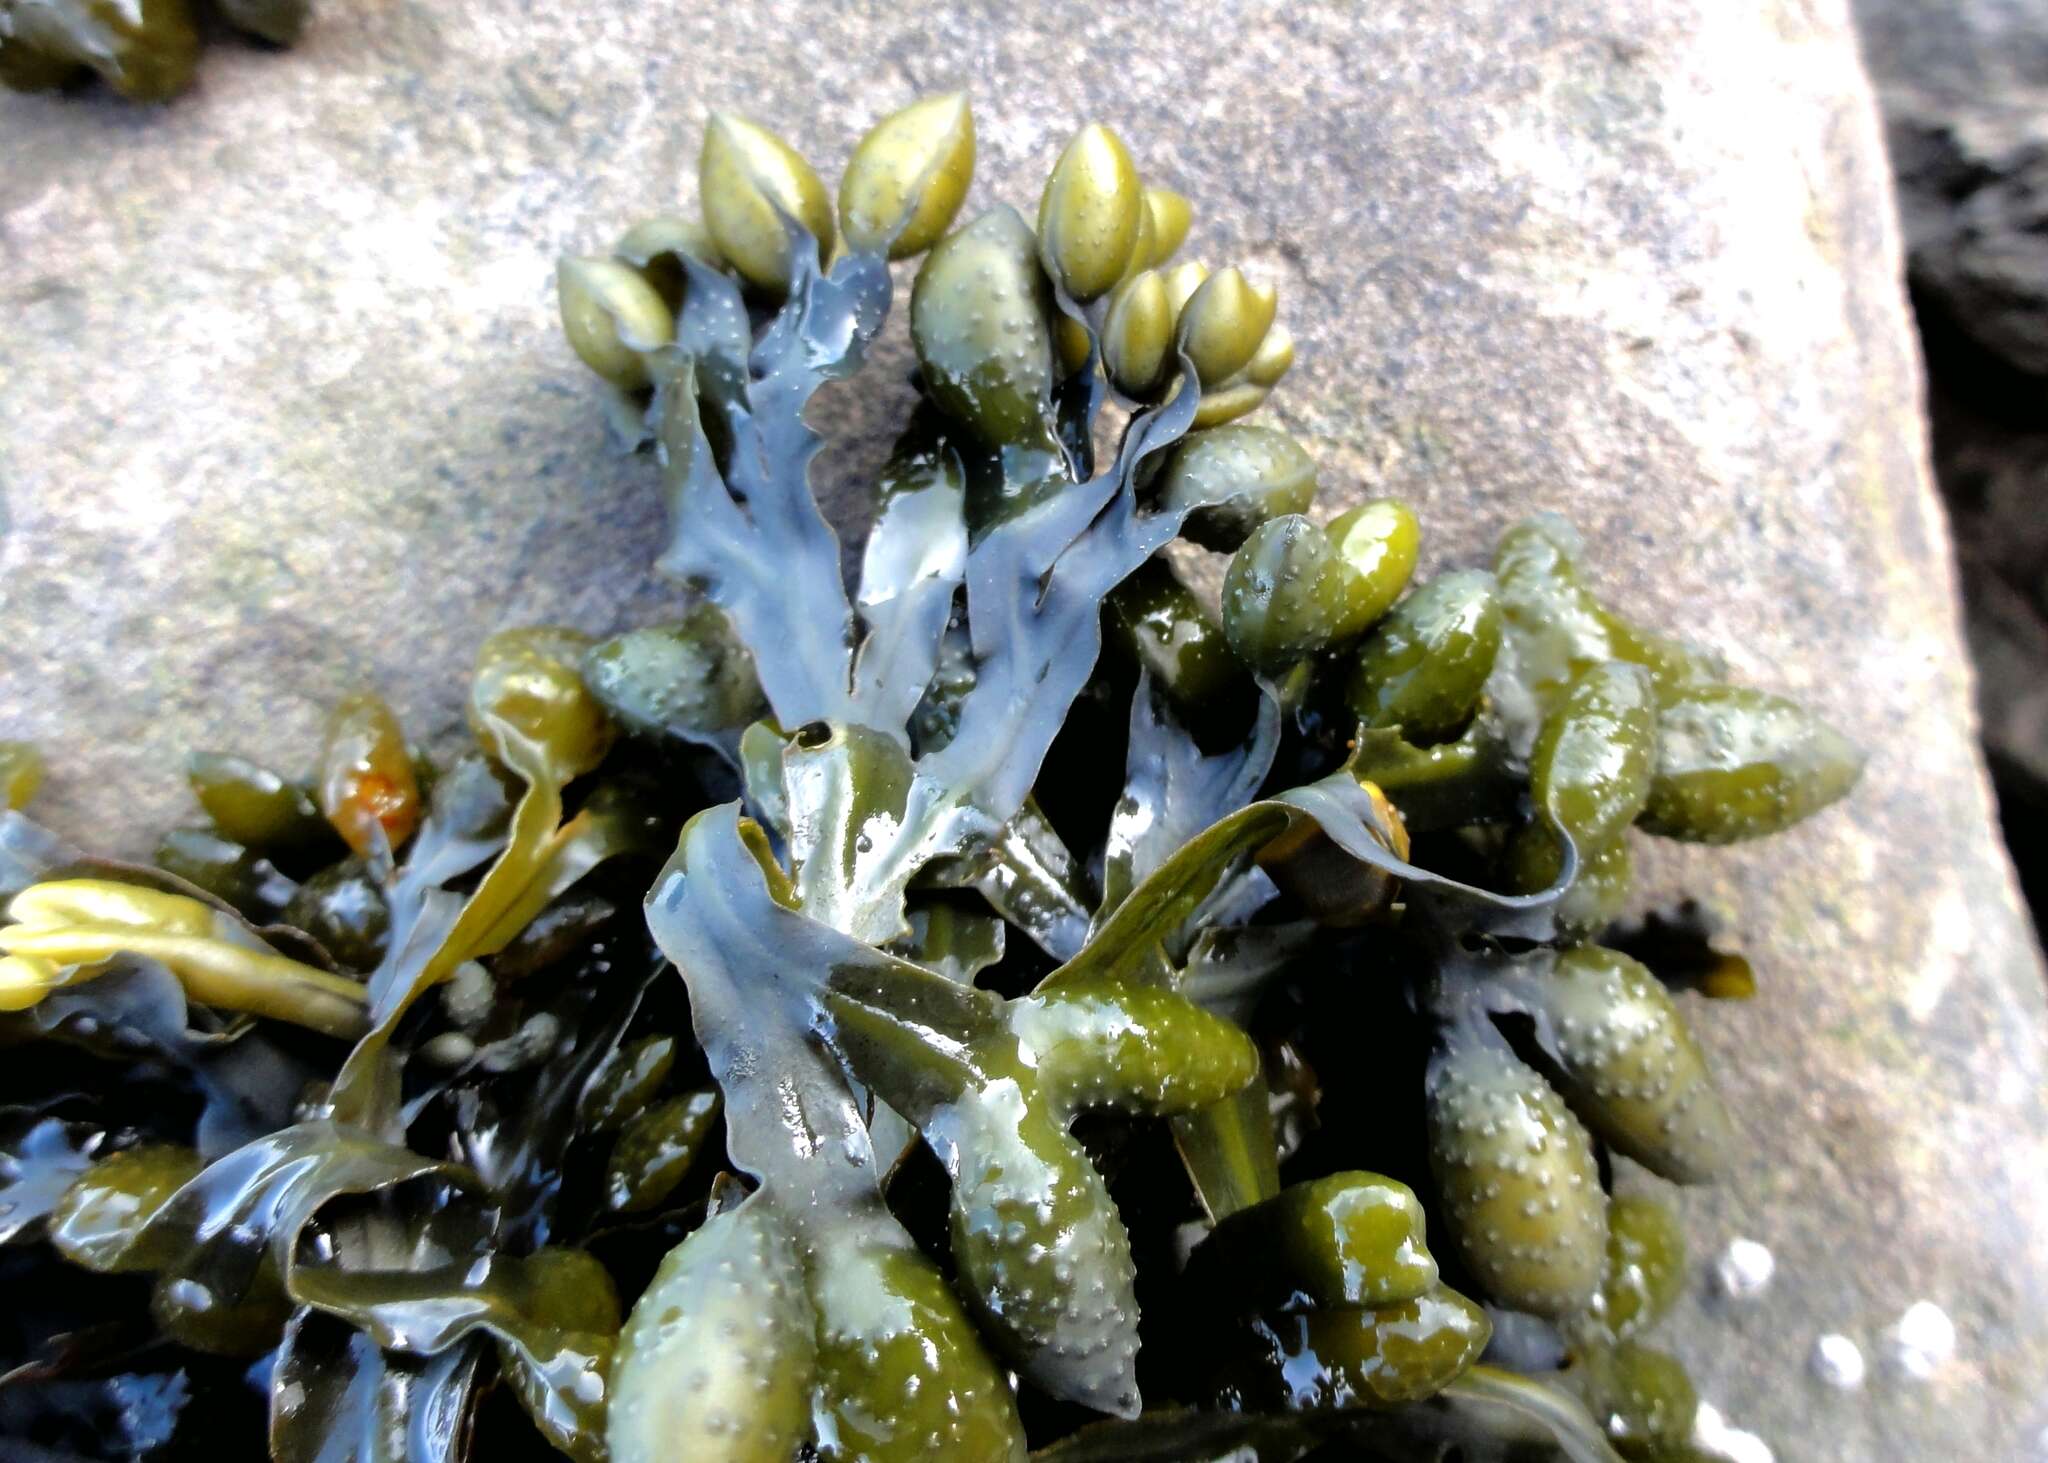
[{"x": 998, "y": 1002}]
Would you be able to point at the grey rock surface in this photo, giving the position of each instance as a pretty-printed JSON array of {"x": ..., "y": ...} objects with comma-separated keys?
[{"x": 283, "y": 410}]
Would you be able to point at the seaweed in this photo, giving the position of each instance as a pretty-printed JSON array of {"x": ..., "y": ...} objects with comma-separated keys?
[{"x": 1042, "y": 969}]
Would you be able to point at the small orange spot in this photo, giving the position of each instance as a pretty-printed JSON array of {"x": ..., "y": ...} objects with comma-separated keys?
[
  {"x": 373, "y": 796},
  {"x": 1397, "y": 830}
]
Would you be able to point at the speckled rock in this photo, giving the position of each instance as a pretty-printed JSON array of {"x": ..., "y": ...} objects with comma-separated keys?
[{"x": 283, "y": 411}]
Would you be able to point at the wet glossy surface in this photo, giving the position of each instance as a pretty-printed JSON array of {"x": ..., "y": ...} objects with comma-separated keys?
[
  {"x": 1364, "y": 1358},
  {"x": 901, "y": 1376},
  {"x": 1236, "y": 478},
  {"x": 656, "y": 1149},
  {"x": 745, "y": 1397},
  {"x": 1638, "y": 1074},
  {"x": 1090, "y": 214},
  {"x": 77, "y": 926},
  {"x": 1557, "y": 627},
  {"x": 611, "y": 316},
  {"x": 1600, "y": 891},
  {"x": 366, "y": 784},
  {"x": 1646, "y": 1266},
  {"x": 1352, "y": 1239},
  {"x": 144, "y": 49},
  {"x": 908, "y": 176},
  {"x": 343, "y": 907},
  {"x": 529, "y": 707},
  {"x": 1520, "y": 1189},
  {"x": 227, "y": 871},
  {"x": 1819, "y": 566},
  {"x": 1285, "y": 594},
  {"x": 1137, "y": 335},
  {"x": 978, "y": 319},
  {"x": 748, "y": 179},
  {"x": 690, "y": 680},
  {"x": 1642, "y": 1397},
  {"x": 254, "y": 806},
  {"x": 1161, "y": 624},
  {"x": 1733, "y": 763},
  {"x": 1423, "y": 669},
  {"x": 626, "y": 1082},
  {"x": 1590, "y": 770},
  {"x": 92, "y": 1222},
  {"x": 1222, "y": 325},
  {"x": 1041, "y": 1247},
  {"x": 1379, "y": 540}
]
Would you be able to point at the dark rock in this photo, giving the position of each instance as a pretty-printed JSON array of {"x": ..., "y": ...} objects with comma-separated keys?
[{"x": 1964, "y": 86}]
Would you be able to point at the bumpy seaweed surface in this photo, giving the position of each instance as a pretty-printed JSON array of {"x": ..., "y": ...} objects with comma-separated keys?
[{"x": 1000, "y": 1004}]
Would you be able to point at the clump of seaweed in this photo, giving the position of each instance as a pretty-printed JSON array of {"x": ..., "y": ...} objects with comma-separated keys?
[
  {"x": 146, "y": 50},
  {"x": 1259, "y": 1087}
]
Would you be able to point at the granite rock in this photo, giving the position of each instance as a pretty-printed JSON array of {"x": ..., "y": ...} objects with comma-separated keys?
[{"x": 283, "y": 410}]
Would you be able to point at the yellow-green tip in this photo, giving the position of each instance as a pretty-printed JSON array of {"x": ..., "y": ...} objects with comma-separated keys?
[
  {"x": 1090, "y": 214},
  {"x": 908, "y": 177},
  {"x": 748, "y": 179}
]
